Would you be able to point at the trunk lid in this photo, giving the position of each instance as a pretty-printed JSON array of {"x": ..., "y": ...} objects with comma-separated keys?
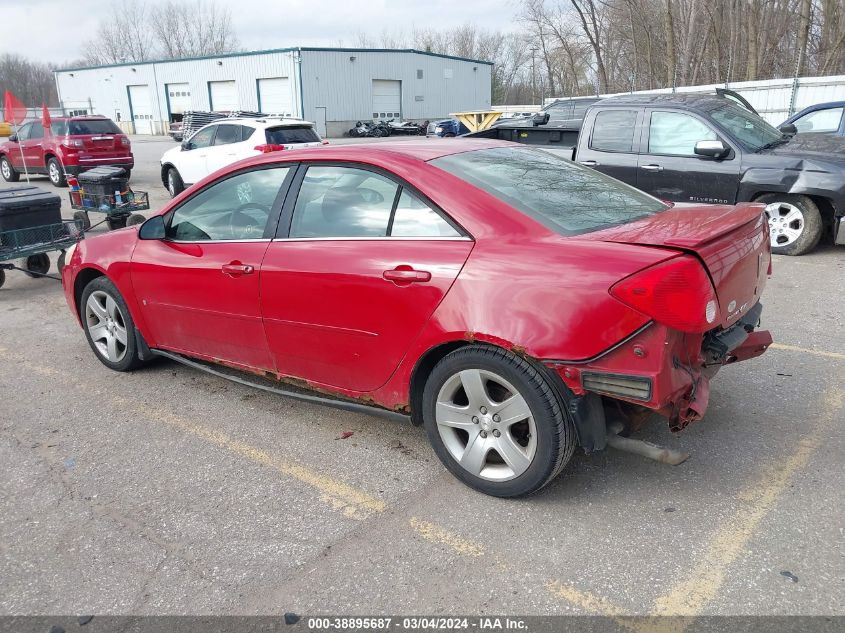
[{"x": 731, "y": 241}]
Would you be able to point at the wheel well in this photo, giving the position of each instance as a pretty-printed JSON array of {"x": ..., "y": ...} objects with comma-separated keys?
[
  {"x": 47, "y": 158},
  {"x": 826, "y": 208},
  {"x": 164, "y": 169},
  {"x": 83, "y": 278},
  {"x": 422, "y": 370}
]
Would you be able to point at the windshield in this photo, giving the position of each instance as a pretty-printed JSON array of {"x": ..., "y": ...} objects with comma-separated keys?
[
  {"x": 567, "y": 198},
  {"x": 748, "y": 128},
  {"x": 291, "y": 134}
]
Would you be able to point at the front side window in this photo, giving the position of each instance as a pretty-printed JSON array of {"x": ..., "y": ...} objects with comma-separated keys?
[
  {"x": 746, "y": 127},
  {"x": 236, "y": 208},
  {"x": 203, "y": 138},
  {"x": 676, "y": 133},
  {"x": 820, "y": 121},
  {"x": 227, "y": 134},
  {"x": 613, "y": 131},
  {"x": 567, "y": 198},
  {"x": 23, "y": 132}
]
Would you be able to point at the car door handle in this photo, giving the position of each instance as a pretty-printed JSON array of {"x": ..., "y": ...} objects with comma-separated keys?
[
  {"x": 651, "y": 167},
  {"x": 406, "y": 275},
  {"x": 236, "y": 269},
  {"x": 589, "y": 163}
]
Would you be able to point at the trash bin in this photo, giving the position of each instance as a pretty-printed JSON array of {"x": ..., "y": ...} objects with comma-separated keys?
[{"x": 27, "y": 207}]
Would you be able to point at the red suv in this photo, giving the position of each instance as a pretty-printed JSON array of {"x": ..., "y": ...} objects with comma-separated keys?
[{"x": 72, "y": 145}]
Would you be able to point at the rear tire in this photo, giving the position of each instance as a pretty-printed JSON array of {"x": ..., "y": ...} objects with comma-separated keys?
[
  {"x": 37, "y": 265},
  {"x": 135, "y": 218},
  {"x": 128, "y": 174},
  {"x": 56, "y": 173},
  {"x": 108, "y": 326},
  {"x": 174, "y": 182},
  {"x": 508, "y": 455},
  {"x": 795, "y": 223},
  {"x": 2, "y": 277},
  {"x": 116, "y": 223},
  {"x": 8, "y": 172}
]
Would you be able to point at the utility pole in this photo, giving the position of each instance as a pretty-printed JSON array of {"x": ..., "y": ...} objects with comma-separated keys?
[{"x": 534, "y": 50}]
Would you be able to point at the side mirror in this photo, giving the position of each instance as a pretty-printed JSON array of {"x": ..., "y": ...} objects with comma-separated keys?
[
  {"x": 186, "y": 145},
  {"x": 541, "y": 118},
  {"x": 13, "y": 138},
  {"x": 712, "y": 149},
  {"x": 152, "y": 229},
  {"x": 790, "y": 130}
]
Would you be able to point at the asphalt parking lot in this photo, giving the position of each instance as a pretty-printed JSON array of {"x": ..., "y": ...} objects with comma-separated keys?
[{"x": 170, "y": 491}]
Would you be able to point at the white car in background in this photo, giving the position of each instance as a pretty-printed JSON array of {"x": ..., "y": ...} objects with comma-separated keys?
[{"x": 229, "y": 140}]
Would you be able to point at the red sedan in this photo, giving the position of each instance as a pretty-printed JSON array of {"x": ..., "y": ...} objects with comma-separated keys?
[{"x": 513, "y": 303}]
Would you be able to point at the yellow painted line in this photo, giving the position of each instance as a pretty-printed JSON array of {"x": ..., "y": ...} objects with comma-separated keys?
[
  {"x": 587, "y": 601},
  {"x": 806, "y": 350},
  {"x": 437, "y": 534},
  {"x": 703, "y": 583},
  {"x": 352, "y": 502}
]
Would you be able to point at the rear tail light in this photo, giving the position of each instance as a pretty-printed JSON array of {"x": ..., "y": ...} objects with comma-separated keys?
[
  {"x": 325, "y": 141},
  {"x": 677, "y": 293},
  {"x": 269, "y": 147},
  {"x": 124, "y": 141},
  {"x": 73, "y": 143}
]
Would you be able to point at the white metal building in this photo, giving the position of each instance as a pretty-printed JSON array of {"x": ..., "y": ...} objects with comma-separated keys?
[{"x": 334, "y": 87}]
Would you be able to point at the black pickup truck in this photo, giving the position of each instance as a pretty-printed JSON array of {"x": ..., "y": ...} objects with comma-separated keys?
[{"x": 704, "y": 148}]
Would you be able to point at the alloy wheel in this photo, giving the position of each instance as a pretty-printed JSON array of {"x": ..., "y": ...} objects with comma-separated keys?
[
  {"x": 7, "y": 171},
  {"x": 106, "y": 326},
  {"x": 55, "y": 175},
  {"x": 786, "y": 223},
  {"x": 171, "y": 184},
  {"x": 486, "y": 425}
]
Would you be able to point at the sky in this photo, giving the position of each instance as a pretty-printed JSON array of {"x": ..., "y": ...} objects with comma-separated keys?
[{"x": 53, "y": 30}]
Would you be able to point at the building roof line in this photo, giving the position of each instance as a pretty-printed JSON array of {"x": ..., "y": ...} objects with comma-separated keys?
[{"x": 273, "y": 51}]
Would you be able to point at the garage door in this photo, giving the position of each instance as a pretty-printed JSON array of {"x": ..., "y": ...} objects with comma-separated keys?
[
  {"x": 224, "y": 96},
  {"x": 274, "y": 96},
  {"x": 178, "y": 100},
  {"x": 141, "y": 108},
  {"x": 387, "y": 99}
]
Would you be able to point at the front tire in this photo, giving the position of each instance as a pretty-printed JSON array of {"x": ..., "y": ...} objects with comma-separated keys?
[
  {"x": 174, "y": 182},
  {"x": 495, "y": 422},
  {"x": 795, "y": 223},
  {"x": 9, "y": 173},
  {"x": 56, "y": 173},
  {"x": 108, "y": 326}
]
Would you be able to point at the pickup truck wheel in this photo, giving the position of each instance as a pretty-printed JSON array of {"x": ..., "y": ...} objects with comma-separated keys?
[
  {"x": 495, "y": 422},
  {"x": 795, "y": 224},
  {"x": 9, "y": 173},
  {"x": 56, "y": 173},
  {"x": 174, "y": 182}
]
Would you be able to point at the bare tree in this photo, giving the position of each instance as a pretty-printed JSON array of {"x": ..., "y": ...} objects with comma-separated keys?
[
  {"x": 31, "y": 82},
  {"x": 135, "y": 31}
]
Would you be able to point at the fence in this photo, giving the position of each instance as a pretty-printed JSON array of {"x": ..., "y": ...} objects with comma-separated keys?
[{"x": 775, "y": 99}]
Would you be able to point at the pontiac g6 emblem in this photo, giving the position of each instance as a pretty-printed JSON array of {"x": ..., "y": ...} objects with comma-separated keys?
[{"x": 731, "y": 307}]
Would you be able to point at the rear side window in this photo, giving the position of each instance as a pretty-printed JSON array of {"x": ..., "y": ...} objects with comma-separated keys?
[
  {"x": 567, "y": 198},
  {"x": 36, "y": 131},
  {"x": 95, "y": 126},
  {"x": 227, "y": 134},
  {"x": 291, "y": 134},
  {"x": 59, "y": 128},
  {"x": 613, "y": 131}
]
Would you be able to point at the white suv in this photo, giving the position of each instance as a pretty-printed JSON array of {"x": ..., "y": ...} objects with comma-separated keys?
[{"x": 229, "y": 140}]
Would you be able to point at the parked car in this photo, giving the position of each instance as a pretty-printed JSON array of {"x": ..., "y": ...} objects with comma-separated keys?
[
  {"x": 5, "y": 129},
  {"x": 176, "y": 131},
  {"x": 703, "y": 148},
  {"x": 229, "y": 140},
  {"x": 71, "y": 146},
  {"x": 498, "y": 295},
  {"x": 822, "y": 118}
]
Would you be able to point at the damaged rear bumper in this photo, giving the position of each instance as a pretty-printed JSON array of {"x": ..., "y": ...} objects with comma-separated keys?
[{"x": 664, "y": 370}]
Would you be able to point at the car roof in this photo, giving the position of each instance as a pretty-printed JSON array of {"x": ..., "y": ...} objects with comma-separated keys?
[
  {"x": 422, "y": 150},
  {"x": 83, "y": 117},
  {"x": 689, "y": 99},
  {"x": 265, "y": 121}
]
